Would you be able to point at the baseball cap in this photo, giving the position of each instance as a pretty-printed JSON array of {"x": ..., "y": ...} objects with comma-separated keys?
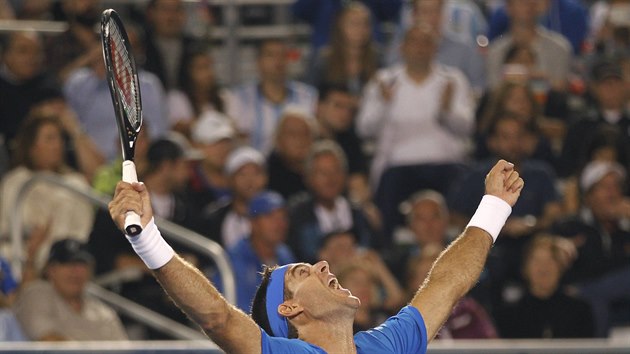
[
  {"x": 264, "y": 203},
  {"x": 606, "y": 69},
  {"x": 68, "y": 251},
  {"x": 211, "y": 128},
  {"x": 595, "y": 171},
  {"x": 241, "y": 157}
]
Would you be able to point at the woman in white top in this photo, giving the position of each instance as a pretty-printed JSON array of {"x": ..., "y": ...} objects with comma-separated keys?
[{"x": 40, "y": 148}]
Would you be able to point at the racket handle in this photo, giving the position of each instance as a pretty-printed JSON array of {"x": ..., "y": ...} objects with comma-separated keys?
[{"x": 133, "y": 225}]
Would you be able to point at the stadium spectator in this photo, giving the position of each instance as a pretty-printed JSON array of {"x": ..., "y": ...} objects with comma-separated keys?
[
  {"x": 321, "y": 14},
  {"x": 600, "y": 233},
  {"x": 553, "y": 51},
  {"x": 297, "y": 130},
  {"x": 58, "y": 308},
  {"x": 566, "y": 17},
  {"x": 264, "y": 246},
  {"x": 257, "y": 107},
  {"x": 335, "y": 115},
  {"x": 167, "y": 45},
  {"x": 544, "y": 310},
  {"x": 79, "y": 45},
  {"x": 40, "y": 148},
  {"x": 87, "y": 92},
  {"x": 352, "y": 57},
  {"x": 227, "y": 221},
  {"x": 325, "y": 209},
  {"x": 213, "y": 135},
  {"x": 453, "y": 50},
  {"x": 421, "y": 114},
  {"x": 609, "y": 109},
  {"x": 199, "y": 92},
  {"x": 23, "y": 81}
]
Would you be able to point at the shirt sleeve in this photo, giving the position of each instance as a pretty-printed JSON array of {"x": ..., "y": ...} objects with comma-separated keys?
[
  {"x": 278, "y": 345},
  {"x": 403, "y": 333}
]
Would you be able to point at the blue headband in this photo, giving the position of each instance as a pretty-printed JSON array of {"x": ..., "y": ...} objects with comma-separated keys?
[{"x": 275, "y": 297}]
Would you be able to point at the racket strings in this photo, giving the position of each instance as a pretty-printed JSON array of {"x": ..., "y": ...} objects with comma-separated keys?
[{"x": 123, "y": 74}]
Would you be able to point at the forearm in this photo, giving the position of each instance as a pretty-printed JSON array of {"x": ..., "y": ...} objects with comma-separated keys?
[
  {"x": 453, "y": 274},
  {"x": 458, "y": 267},
  {"x": 193, "y": 293}
]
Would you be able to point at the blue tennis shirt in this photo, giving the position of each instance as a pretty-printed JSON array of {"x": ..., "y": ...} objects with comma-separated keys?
[{"x": 400, "y": 334}]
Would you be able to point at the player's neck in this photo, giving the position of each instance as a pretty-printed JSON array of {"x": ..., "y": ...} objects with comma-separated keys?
[{"x": 332, "y": 336}]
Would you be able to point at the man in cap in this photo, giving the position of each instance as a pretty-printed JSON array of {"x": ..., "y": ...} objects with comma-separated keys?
[
  {"x": 57, "y": 307},
  {"x": 227, "y": 220},
  {"x": 213, "y": 135},
  {"x": 264, "y": 246},
  {"x": 609, "y": 109},
  {"x": 601, "y": 234},
  {"x": 309, "y": 299}
]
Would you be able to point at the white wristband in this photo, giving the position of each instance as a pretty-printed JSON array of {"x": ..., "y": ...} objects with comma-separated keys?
[
  {"x": 151, "y": 247},
  {"x": 491, "y": 215}
]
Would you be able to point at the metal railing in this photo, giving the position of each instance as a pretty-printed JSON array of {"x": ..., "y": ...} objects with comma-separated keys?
[
  {"x": 531, "y": 346},
  {"x": 170, "y": 231},
  {"x": 140, "y": 313}
]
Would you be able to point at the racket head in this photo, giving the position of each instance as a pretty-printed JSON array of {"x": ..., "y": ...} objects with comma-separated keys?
[{"x": 122, "y": 78}]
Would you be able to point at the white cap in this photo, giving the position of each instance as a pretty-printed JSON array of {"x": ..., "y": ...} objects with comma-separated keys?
[
  {"x": 595, "y": 171},
  {"x": 211, "y": 128},
  {"x": 241, "y": 157}
]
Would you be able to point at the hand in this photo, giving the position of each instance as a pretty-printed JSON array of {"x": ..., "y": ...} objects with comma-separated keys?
[
  {"x": 504, "y": 182},
  {"x": 130, "y": 197},
  {"x": 568, "y": 251}
]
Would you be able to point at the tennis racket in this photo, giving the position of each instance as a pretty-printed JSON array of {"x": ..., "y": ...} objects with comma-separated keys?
[{"x": 122, "y": 78}]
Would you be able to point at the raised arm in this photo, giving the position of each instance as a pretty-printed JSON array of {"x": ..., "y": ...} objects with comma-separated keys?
[
  {"x": 186, "y": 285},
  {"x": 457, "y": 269}
]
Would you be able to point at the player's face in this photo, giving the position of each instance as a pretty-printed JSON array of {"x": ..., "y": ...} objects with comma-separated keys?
[{"x": 318, "y": 291}]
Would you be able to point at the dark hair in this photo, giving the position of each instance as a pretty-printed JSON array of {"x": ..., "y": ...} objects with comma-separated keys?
[
  {"x": 162, "y": 150},
  {"x": 259, "y": 304},
  {"x": 336, "y": 70},
  {"x": 27, "y": 135},
  {"x": 496, "y": 105},
  {"x": 505, "y": 115},
  {"x": 213, "y": 95},
  {"x": 328, "y": 88}
]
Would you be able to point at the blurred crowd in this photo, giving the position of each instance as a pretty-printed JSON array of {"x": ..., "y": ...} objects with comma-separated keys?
[{"x": 372, "y": 158}]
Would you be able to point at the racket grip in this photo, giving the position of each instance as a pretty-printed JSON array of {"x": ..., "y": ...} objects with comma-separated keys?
[{"x": 133, "y": 225}]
